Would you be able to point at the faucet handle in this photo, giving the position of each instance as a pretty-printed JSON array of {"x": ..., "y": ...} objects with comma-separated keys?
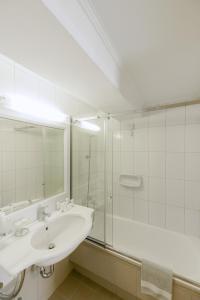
[
  {"x": 20, "y": 229},
  {"x": 42, "y": 212}
]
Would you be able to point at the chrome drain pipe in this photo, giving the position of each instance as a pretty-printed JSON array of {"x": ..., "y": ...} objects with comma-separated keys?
[{"x": 47, "y": 273}]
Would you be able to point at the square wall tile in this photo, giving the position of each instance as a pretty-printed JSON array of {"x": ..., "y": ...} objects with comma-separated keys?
[
  {"x": 141, "y": 163},
  {"x": 175, "y": 218},
  {"x": 141, "y": 139},
  {"x": 127, "y": 140},
  {"x": 157, "y": 139},
  {"x": 157, "y": 118},
  {"x": 175, "y": 139},
  {"x": 175, "y": 116},
  {"x": 157, "y": 164},
  {"x": 192, "y": 166},
  {"x": 21, "y": 141},
  {"x": 127, "y": 124},
  {"x": 192, "y": 194},
  {"x": 141, "y": 210},
  {"x": 123, "y": 207},
  {"x": 21, "y": 194},
  {"x": 23, "y": 160},
  {"x": 156, "y": 190},
  {"x": 127, "y": 162},
  {"x": 192, "y": 222},
  {"x": 8, "y": 141},
  {"x": 21, "y": 178},
  {"x": 8, "y": 180},
  {"x": 141, "y": 122},
  {"x": 8, "y": 197},
  {"x": 175, "y": 166},
  {"x": 8, "y": 161},
  {"x": 175, "y": 192},
  {"x": 126, "y": 192},
  {"x": 142, "y": 192},
  {"x": 193, "y": 114},
  {"x": 192, "y": 141},
  {"x": 157, "y": 214}
]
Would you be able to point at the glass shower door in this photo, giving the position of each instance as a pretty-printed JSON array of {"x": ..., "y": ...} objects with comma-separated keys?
[{"x": 89, "y": 172}]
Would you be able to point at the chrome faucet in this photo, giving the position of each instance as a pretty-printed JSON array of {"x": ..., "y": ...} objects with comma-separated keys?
[{"x": 42, "y": 213}]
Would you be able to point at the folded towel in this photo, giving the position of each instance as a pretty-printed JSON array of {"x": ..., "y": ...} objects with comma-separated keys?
[{"x": 156, "y": 281}]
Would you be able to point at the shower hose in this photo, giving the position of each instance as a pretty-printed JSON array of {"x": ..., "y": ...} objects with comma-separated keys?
[{"x": 17, "y": 288}]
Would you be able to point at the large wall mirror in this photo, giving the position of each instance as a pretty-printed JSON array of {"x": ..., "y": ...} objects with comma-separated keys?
[{"x": 31, "y": 162}]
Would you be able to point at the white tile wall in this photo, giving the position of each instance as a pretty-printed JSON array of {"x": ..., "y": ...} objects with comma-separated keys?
[
  {"x": 157, "y": 214},
  {"x": 175, "y": 218},
  {"x": 22, "y": 163},
  {"x": 157, "y": 164},
  {"x": 165, "y": 149}
]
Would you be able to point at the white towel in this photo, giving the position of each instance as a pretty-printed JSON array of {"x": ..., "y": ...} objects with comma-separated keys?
[{"x": 156, "y": 281}]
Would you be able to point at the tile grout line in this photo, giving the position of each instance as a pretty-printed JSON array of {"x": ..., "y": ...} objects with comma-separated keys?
[
  {"x": 184, "y": 170},
  {"x": 165, "y": 178},
  {"x": 148, "y": 166}
]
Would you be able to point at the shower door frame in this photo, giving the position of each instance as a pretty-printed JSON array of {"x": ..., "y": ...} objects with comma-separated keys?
[{"x": 102, "y": 243}]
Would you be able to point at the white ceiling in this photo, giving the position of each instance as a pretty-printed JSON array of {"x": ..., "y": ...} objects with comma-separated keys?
[
  {"x": 158, "y": 43},
  {"x": 32, "y": 36},
  {"x": 115, "y": 55},
  {"x": 155, "y": 45}
]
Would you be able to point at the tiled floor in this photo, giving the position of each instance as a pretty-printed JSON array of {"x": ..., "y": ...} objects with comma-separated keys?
[{"x": 78, "y": 287}]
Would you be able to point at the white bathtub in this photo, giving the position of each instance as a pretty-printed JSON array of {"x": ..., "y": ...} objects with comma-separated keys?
[{"x": 173, "y": 250}]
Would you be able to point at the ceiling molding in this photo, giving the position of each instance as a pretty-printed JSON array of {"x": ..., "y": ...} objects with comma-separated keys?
[
  {"x": 79, "y": 18},
  {"x": 95, "y": 20}
]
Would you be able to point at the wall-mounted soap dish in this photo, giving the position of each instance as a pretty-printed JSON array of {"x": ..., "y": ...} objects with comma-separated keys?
[{"x": 133, "y": 181}]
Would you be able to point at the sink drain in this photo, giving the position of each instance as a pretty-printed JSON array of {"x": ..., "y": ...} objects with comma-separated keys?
[{"x": 52, "y": 246}]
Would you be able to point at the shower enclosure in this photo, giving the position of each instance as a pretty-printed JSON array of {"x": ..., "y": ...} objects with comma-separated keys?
[
  {"x": 140, "y": 173},
  {"x": 92, "y": 173}
]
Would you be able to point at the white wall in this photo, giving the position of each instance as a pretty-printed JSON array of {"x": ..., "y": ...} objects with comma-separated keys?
[
  {"x": 164, "y": 148},
  {"x": 17, "y": 81}
]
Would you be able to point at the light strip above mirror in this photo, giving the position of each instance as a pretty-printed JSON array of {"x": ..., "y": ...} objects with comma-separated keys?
[{"x": 34, "y": 109}]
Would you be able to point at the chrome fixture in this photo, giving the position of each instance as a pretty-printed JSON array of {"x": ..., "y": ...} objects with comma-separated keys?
[
  {"x": 20, "y": 227},
  {"x": 45, "y": 274},
  {"x": 21, "y": 231},
  {"x": 17, "y": 288},
  {"x": 42, "y": 213}
]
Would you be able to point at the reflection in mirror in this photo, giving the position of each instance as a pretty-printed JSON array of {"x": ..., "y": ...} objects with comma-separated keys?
[
  {"x": 31, "y": 163},
  {"x": 53, "y": 161}
]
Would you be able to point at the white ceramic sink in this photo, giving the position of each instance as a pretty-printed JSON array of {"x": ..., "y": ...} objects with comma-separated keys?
[
  {"x": 58, "y": 237},
  {"x": 59, "y": 232},
  {"x": 46, "y": 243}
]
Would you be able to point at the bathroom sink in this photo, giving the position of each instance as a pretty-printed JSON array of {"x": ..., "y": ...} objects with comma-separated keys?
[
  {"x": 58, "y": 233},
  {"x": 46, "y": 242},
  {"x": 58, "y": 237}
]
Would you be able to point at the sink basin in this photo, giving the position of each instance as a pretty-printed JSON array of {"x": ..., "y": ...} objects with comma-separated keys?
[
  {"x": 58, "y": 233},
  {"x": 46, "y": 243}
]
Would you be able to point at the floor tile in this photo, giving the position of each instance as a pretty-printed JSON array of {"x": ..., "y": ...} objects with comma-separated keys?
[{"x": 78, "y": 287}]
